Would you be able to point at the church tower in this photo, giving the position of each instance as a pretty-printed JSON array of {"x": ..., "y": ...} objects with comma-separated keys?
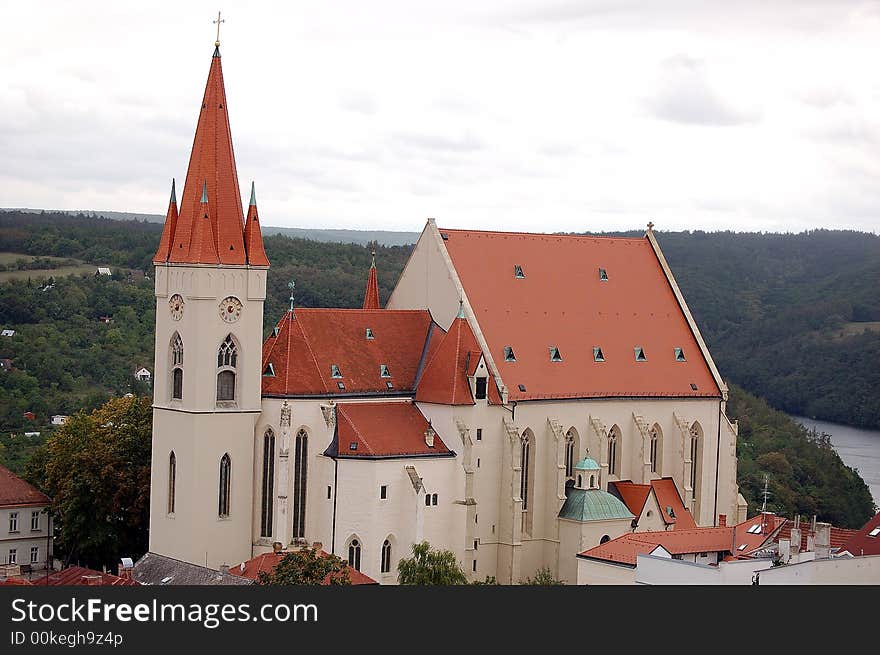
[{"x": 210, "y": 278}]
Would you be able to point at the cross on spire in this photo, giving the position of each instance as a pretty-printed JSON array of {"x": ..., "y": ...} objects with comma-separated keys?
[
  {"x": 217, "y": 23},
  {"x": 291, "y": 285}
]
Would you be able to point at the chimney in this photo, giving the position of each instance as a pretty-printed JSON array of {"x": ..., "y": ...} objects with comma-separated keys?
[
  {"x": 429, "y": 435},
  {"x": 767, "y": 522},
  {"x": 796, "y": 536},
  {"x": 785, "y": 550},
  {"x": 277, "y": 547},
  {"x": 126, "y": 568},
  {"x": 823, "y": 540},
  {"x": 722, "y": 520},
  {"x": 317, "y": 546}
]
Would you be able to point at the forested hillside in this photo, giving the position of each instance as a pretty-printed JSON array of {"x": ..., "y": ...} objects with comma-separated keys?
[{"x": 792, "y": 318}]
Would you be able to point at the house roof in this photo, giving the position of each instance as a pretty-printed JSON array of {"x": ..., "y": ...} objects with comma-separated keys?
[
  {"x": 268, "y": 561},
  {"x": 626, "y": 548},
  {"x": 209, "y": 227},
  {"x": 16, "y": 492},
  {"x": 382, "y": 429},
  {"x": 862, "y": 543},
  {"x": 78, "y": 575},
  {"x": 561, "y": 302},
  {"x": 593, "y": 505},
  {"x": 665, "y": 492},
  {"x": 838, "y": 536},
  {"x": 155, "y": 569},
  {"x": 311, "y": 341},
  {"x": 445, "y": 379}
]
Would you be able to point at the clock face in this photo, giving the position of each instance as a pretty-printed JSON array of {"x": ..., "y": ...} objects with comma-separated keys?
[
  {"x": 175, "y": 305},
  {"x": 230, "y": 309}
]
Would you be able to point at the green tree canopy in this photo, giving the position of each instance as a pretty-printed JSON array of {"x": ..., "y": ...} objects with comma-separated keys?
[
  {"x": 307, "y": 567},
  {"x": 96, "y": 469},
  {"x": 430, "y": 567}
]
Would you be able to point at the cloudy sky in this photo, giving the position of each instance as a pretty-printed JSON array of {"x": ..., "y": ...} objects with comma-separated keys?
[{"x": 536, "y": 115}]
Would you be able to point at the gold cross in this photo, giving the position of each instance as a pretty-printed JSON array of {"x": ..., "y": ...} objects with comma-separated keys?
[{"x": 217, "y": 23}]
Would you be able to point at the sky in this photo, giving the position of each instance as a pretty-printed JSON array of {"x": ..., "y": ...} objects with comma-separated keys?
[{"x": 531, "y": 115}]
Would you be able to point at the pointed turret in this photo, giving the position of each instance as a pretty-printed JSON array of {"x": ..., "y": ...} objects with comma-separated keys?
[
  {"x": 253, "y": 238},
  {"x": 168, "y": 231},
  {"x": 371, "y": 295},
  {"x": 212, "y": 166},
  {"x": 202, "y": 247}
]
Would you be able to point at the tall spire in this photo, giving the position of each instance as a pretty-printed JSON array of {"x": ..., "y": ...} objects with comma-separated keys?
[
  {"x": 371, "y": 296},
  {"x": 164, "y": 249},
  {"x": 253, "y": 238},
  {"x": 212, "y": 166}
]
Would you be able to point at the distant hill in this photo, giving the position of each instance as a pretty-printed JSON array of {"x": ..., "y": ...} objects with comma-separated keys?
[{"x": 362, "y": 237}]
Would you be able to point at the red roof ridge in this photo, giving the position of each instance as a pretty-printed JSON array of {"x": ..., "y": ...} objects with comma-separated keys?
[
  {"x": 311, "y": 353},
  {"x": 340, "y": 409},
  {"x": 542, "y": 234}
]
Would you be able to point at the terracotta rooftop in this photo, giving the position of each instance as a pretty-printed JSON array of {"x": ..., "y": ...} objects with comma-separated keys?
[
  {"x": 79, "y": 576},
  {"x": 445, "y": 379},
  {"x": 209, "y": 227},
  {"x": 371, "y": 295},
  {"x": 311, "y": 342},
  {"x": 382, "y": 429},
  {"x": 666, "y": 493},
  {"x": 268, "y": 561},
  {"x": 626, "y": 548},
  {"x": 535, "y": 292},
  {"x": 15, "y": 492},
  {"x": 865, "y": 541}
]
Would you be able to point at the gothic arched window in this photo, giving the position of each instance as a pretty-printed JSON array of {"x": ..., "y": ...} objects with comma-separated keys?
[
  {"x": 656, "y": 448},
  {"x": 172, "y": 480},
  {"x": 386, "y": 557},
  {"x": 524, "y": 482},
  {"x": 225, "y": 482},
  {"x": 227, "y": 361},
  {"x": 696, "y": 465},
  {"x": 300, "y": 472},
  {"x": 613, "y": 455},
  {"x": 571, "y": 447},
  {"x": 176, "y": 367},
  {"x": 354, "y": 554},
  {"x": 268, "y": 502}
]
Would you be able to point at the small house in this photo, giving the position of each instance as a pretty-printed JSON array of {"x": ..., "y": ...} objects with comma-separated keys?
[
  {"x": 103, "y": 270},
  {"x": 142, "y": 374},
  {"x": 59, "y": 419},
  {"x": 7, "y": 333},
  {"x": 30, "y": 416},
  {"x": 106, "y": 319}
]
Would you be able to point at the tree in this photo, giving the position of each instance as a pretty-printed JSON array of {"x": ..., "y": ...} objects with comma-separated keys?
[
  {"x": 96, "y": 469},
  {"x": 430, "y": 567},
  {"x": 542, "y": 577},
  {"x": 307, "y": 567}
]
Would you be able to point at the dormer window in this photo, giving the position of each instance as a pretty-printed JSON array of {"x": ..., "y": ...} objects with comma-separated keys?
[
  {"x": 370, "y": 334},
  {"x": 275, "y": 331},
  {"x": 521, "y": 387},
  {"x": 480, "y": 391},
  {"x": 334, "y": 371},
  {"x": 389, "y": 384},
  {"x": 508, "y": 354},
  {"x": 598, "y": 356},
  {"x": 554, "y": 354},
  {"x": 269, "y": 371},
  {"x": 603, "y": 275},
  {"x": 518, "y": 272},
  {"x": 679, "y": 355},
  {"x": 640, "y": 354},
  {"x": 341, "y": 386},
  {"x": 383, "y": 371},
  {"x": 353, "y": 445}
]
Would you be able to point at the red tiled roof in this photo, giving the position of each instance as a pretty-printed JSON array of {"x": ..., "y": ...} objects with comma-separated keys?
[
  {"x": 371, "y": 295},
  {"x": 268, "y": 561},
  {"x": 627, "y": 547},
  {"x": 77, "y": 575},
  {"x": 16, "y": 492},
  {"x": 668, "y": 496},
  {"x": 634, "y": 496},
  {"x": 445, "y": 379},
  {"x": 861, "y": 543},
  {"x": 839, "y": 536},
  {"x": 754, "y": 540},
  {"x": 15, "y": 581},
  {"x": 383, "y": 429},
  {"x": 561, "y": 302},
  {"x": 219, "y": 238},
  {"x": 311, "y": 341}
]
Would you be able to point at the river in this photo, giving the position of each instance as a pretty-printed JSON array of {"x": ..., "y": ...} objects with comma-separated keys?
[{"x": 859, "y": 448}]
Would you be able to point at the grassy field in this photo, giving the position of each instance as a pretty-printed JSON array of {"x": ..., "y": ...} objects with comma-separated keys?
[{"x": 7, "y": 258}]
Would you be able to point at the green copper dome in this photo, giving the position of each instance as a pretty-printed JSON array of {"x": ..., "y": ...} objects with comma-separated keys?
[
  {"x": 593, "y": 505},
  {"x": 586, "y": 464}
]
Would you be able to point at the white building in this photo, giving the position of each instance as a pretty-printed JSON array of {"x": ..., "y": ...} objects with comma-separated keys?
[
  {"x": 103, "y": 270},
  {"x": 143, "y": 374},
  {"x": 7, "y": 333},
  {"x": 59, "y": 419},
  {"x": 455, "y": 415},
  {"x": 25, "y": 527}
]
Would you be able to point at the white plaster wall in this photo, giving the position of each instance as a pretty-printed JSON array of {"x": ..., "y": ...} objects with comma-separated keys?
[
  {"x": 847, "y": 571},
  {"x": 599, "y": 573},
  {"x": 576, "y": 537},
  {"x": 24, "y": 538}
]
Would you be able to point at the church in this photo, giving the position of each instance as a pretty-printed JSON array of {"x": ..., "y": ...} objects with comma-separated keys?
[{"x": 519, "y": 399}]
